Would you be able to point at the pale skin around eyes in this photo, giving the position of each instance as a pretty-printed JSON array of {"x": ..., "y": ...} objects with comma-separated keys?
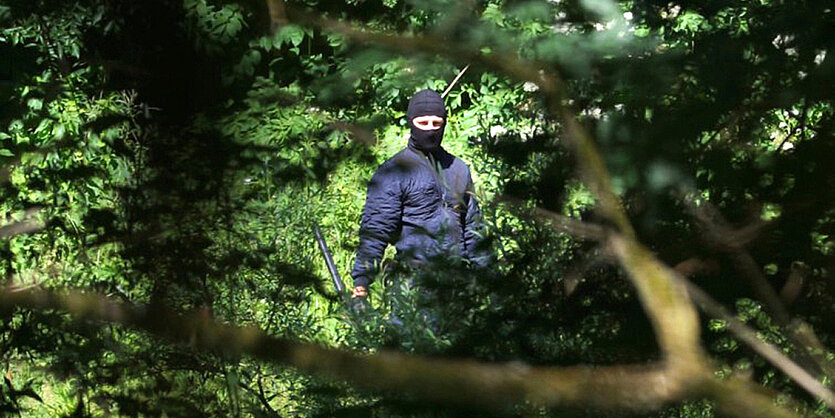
[{"x": 428, "y": 123}]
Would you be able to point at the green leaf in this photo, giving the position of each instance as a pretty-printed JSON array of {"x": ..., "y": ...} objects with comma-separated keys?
[
  {"x": 292, "y": 34},
  {"x": 34, "y": 103},
  {"x": 58, "y": 131},
  {"x": 44, "y": 125},
  {"x": 717, "y": 325}
]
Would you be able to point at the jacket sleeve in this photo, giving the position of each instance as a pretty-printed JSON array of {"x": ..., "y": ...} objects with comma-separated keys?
[
  {"x": 381, "y": 222},
  {"x": 476, "y": 248}
]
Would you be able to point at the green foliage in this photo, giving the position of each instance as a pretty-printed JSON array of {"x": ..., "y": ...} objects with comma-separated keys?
[{"x": 177, "y": 152}]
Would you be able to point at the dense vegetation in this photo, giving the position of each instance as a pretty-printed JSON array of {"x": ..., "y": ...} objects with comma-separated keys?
[{"x": 177, "y": 154}]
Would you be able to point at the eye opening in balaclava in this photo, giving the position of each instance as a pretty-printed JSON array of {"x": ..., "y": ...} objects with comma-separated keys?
[{"x": 426, "y": 103}]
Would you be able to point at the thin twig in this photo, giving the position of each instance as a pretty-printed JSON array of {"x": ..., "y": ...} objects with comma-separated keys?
[
  {"x": 717, "y": 230},
  {"x": 572, "y": 226},
  {"x": 454, "y": 80},
  {"x": 767, "y": 351}
]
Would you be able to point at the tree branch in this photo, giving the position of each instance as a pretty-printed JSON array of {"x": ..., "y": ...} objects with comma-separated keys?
[
  {"x": 664, "y": 298},
  {"x": 575, "y": 227},
  {"x": 485, "y": 386},
  {"x": 717, "y": 230},
  {"x": 767, "y": 351},
  {"x": 26, "y": 226},
  {"x": 278, "y": 15},
  {"x": 652, "y": 290}
]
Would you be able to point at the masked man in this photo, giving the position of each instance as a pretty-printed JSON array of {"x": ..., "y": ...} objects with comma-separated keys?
[{"x": 421, "y": 200}]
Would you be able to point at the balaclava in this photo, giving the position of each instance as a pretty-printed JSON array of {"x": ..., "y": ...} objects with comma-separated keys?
[{"x": 426, "y": 103}]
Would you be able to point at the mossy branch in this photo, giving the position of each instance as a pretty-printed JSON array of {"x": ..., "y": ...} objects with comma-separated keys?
[
  {"x": 485, "y": 386},
  {"x": 663, "y": 296}
]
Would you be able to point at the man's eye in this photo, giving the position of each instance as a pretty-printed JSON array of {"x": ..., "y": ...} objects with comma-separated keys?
[{"x": 428, "y": 124}]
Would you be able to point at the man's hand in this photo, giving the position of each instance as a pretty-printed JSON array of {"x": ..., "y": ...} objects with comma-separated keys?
[{"x": 359, "y": 292}]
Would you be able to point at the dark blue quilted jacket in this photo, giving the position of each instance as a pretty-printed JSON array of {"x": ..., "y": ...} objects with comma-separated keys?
[{"x": 424, "y": 212}]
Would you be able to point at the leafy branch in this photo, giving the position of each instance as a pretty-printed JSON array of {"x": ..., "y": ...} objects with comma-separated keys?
[
  {"x": 460, "y": 382},
  {"x": 663, "y": 295}
]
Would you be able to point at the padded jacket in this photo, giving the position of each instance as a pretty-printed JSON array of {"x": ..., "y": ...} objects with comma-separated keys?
[{"x": 424, "y": 211}]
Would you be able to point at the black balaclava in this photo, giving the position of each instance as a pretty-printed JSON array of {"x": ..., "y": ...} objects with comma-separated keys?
[{"x": 426, "y": 103}]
